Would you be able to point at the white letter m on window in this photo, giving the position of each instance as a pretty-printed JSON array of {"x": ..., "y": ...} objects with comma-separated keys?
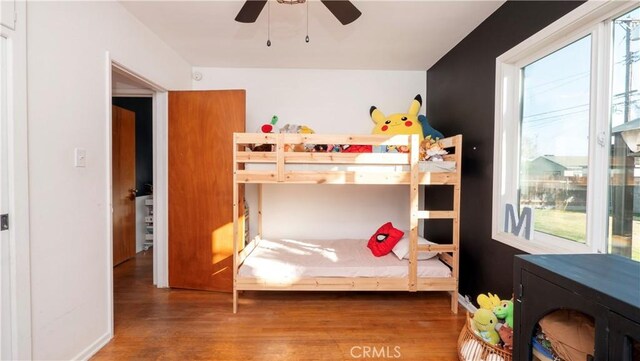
[{"x": 524, "y": 219}]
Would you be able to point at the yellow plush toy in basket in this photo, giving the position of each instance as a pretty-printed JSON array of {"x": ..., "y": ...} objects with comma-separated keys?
[{"x": 472, "y": 348}]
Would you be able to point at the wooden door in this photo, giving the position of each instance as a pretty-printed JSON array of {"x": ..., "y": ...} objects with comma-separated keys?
[
  {"x": 124, "y": 184},
  {"x": 201, "y": 124}
]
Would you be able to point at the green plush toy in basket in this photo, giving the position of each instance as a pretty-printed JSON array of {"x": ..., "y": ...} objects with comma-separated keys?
[
  {"x": 473, "y": 348},
  {"x": 484, "y": 338}
]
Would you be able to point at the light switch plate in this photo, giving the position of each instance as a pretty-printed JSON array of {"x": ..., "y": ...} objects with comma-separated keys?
[{"x": 80, "y": 159}]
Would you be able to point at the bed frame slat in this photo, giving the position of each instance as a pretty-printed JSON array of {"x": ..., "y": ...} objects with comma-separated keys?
[
  {"x": 446, "y": 258},
  {"x": 345, "y": 283},
  {"x": 437, "y": 248},
  {"x": 344, "y": 177},
  {"x": 436, "y": 214}
]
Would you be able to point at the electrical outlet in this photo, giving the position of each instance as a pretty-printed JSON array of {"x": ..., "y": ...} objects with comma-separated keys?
[{"x": 80, "y": 159}]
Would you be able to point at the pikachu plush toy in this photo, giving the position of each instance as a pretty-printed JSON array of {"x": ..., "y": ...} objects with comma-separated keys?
[{"x": 400, "y": 123}]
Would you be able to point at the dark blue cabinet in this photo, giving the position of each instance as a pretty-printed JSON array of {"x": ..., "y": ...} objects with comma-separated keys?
[{"x": 605, "y": 287}]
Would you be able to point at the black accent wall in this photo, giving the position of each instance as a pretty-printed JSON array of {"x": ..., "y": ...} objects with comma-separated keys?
[
  {"x": 143, "y": 107},
  {"x": 460, "y": 100}
]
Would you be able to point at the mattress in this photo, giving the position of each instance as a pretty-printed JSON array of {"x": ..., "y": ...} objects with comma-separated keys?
[
  {"x": 424, "y": 166},
  {"x": 289, "y": 259}
]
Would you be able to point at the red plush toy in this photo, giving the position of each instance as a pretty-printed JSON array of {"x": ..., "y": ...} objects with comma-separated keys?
[
  {"x": 385, "y": 238},
  {"x": 358, "y": 149}
]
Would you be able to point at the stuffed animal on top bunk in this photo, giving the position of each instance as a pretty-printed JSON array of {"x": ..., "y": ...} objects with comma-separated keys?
[
  {"x": 356, "y": 148},
  {"x": 349, "y": 148},
  {"x": 427, "y": 129},
  {"x": 266, "y": 128},
  {"x": 320, "y": 148},
  {"x": 335, "y": 148},
  {"x": 399, "y": 123},
  {"x": 397, "y": 149},
  {"x": 431, "y": 149},
  {"x": 298, "y": 129},
  {"x": 271, "y": 126}
]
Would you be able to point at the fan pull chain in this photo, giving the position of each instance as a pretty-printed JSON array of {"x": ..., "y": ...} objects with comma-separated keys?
[
  {"x": 269, "y": 23},
  {"x": 307, "y": 38}
]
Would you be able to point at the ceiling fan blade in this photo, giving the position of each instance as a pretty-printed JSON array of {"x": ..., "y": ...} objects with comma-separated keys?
[
  {"x": 344, "y": 10},
  {"x": 250, "y": 11}
]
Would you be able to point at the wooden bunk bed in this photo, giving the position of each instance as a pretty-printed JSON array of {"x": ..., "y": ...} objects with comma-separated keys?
[{"x": 283, "y": 167}]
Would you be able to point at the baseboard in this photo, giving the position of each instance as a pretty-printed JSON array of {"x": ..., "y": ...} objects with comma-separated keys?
[
  {"x": 466, "y": 303},
  {"x": 94, "y": 347}
]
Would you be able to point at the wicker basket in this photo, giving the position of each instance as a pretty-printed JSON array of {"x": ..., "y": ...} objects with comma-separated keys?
[{"x": 473, "y": 348}]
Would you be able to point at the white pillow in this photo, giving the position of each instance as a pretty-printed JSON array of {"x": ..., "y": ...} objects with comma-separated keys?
[{"x": 401, "y": 249}]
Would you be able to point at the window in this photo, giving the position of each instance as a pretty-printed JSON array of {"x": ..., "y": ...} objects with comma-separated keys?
[
  {"x": 624, "y": 164},
  {"x": 560, "y": 95},
  {"x": 554, "y": 140}
]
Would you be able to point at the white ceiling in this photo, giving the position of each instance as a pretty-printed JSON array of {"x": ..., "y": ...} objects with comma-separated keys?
[{"x": 390, "y": 35}]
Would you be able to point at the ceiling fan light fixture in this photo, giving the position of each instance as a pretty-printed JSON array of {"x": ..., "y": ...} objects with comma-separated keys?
[{"x": 343, "y": 10}]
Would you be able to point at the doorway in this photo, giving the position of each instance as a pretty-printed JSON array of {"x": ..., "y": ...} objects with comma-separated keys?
[
  {"x": 125, "y": 83},
  {"x": 132, "y": 167},
  {"x": 132, "y": 174},
  {"x": 126, "y": 86}
]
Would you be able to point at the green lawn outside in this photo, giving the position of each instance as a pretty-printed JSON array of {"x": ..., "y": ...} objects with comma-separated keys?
[{"x": 572, "y": 225}]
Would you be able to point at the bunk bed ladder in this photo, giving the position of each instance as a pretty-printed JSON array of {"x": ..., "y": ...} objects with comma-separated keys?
[{"x": 449, "y": 252}]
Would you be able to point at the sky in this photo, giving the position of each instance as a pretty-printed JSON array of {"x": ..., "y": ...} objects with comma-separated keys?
[
  {"x": 556, "y": 91},
  {"x": 555, "y": 106}
]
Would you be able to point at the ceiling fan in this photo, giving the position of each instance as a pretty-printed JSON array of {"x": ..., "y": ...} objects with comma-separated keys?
[{"x": 343, "y": 10}]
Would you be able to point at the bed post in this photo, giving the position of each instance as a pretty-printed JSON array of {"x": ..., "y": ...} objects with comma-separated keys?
[
  {"x": 280, "y": 157},
  {"x": 456, "y": 222},
  {"x": 235, "y": 222},
  {"x": 260, "y": 210},
  {"x": 413, "y": 220}
]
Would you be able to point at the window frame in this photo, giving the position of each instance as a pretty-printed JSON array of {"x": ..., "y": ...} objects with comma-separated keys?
[{"x": 592, "y": 18}]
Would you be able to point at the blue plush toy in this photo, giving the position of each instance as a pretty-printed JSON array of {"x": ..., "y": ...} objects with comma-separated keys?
[{"x": 428, "y": 130}]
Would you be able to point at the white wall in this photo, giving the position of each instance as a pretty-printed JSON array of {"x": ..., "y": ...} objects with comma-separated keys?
[
  {"x": 67, "y": 44},
  {"x": 330, "y": 102}
]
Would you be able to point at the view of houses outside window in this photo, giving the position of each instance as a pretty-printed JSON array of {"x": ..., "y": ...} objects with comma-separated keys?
[
  {"x": 554, "y": 143},
  {"x": 554, "y": 139},
  {"x": 624, "y": 182}
]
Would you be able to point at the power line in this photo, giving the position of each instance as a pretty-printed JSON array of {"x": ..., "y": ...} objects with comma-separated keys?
[
  {"x": 549, "y": 119},
  {"x": 578, "y": 75},
  {"x": 554, "y": 111},
  {"x": 546, "y": 121}
]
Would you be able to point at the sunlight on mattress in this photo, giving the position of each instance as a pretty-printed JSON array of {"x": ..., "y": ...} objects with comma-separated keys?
[
  {"x": 287, "y": 260},
  {"x": 306, "y": 248}
]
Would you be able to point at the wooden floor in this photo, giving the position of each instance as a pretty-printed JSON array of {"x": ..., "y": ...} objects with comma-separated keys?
[{"x": 165, "y": 324}]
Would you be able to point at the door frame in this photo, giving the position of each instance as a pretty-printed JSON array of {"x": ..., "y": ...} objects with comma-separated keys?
[
  {"x": 160, "y": 176},
  {"x": 21, "y": 340}
]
